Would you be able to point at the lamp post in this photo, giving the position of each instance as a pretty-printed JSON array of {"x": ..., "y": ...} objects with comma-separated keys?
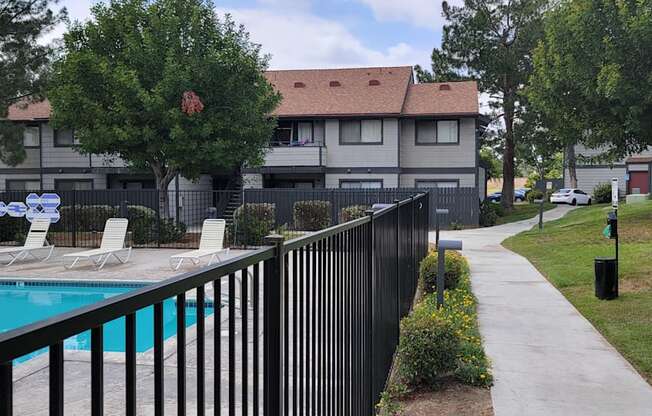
[{"x": 442, "y": 246}]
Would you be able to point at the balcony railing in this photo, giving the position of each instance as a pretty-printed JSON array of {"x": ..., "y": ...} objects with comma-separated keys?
[{"x": 295, "y": 143}]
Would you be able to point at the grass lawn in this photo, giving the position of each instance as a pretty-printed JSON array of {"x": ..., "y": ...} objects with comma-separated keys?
[
  {"x": 523, "y": 212},
  {"x": 564, "y": 252}
]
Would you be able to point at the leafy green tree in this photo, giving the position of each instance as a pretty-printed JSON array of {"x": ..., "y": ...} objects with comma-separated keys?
[
  {"x": 491, "y": 163},
  {"x": 491, "y": 41},
  {"x": 166, "y": 86},
  {"x": 592, "y": 74},
  {"x": 23, "y": 64}
]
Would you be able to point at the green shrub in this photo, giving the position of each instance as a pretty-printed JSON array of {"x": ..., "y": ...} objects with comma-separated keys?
[
  {"x": 602, "y": 193},
  {"x": 312, "y": 215},
  {"x": 535, "y": 194},
  {"x": 12, "y": 229},
  {"x": 489, "y": 213},
  {"x": 352, "y": 212},
  {"x": 428, "y": 347},
  {"x": 455, "y": 264},
  {"x": 87, "y": 217},
  {"x": 144, "y": 223},
  {"x": 253, "y": 222}
]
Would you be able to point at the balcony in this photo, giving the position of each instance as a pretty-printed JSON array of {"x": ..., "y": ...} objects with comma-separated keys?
[{"x": 295, "y": 153}]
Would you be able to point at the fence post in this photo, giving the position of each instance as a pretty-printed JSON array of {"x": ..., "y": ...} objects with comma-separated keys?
[
  {"x": 158, "y": 218},
  {"x": 74, "y": 218},
  {"x": 398, "y": 265},
  {"x": 371, "y": 242},
  {"x": 273, "y": 298},
  {"x": 6, "y": 388}
]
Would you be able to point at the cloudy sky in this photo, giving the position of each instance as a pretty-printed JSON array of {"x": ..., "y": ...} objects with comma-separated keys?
[{"x": 329, "y": 33}]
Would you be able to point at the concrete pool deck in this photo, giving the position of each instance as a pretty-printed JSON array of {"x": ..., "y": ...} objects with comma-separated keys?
[{"x": 145, "y": 264}]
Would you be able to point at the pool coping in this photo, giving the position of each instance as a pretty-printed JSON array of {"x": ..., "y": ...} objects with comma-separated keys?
[{"x": 146, "y": 358}]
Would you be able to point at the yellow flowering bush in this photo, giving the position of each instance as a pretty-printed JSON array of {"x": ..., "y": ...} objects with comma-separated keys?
[
  {"x": 456, "y": 267},
  {"x": 446, "y": 341}
]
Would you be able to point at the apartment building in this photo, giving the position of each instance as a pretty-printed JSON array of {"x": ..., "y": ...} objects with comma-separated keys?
[{"x": 337, "y": 128}]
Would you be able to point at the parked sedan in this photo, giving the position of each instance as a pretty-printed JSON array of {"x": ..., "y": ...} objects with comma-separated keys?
[
  {"x": 519, "y": 196},
  {"x": 570, "y": 196}
]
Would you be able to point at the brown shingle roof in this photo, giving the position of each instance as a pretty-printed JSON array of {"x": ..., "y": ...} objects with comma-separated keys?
[
  {"x": 354, "y": 95},
  {"x": 433, "y": 99},
  {"x": 308, "y": 93},
  {"x": 33, "y": 111}
]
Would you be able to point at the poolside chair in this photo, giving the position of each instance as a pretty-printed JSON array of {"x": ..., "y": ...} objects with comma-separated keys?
[
  {"x": 35, "y": 241},
  {"x": 113, "y": 240},
  {"x": 211, "y": 244}
]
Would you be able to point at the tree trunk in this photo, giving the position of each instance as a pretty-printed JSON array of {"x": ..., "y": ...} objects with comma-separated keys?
[
  {"x": 163, "y": 179},
  {"x": 507, "y": 198},
  {"x": 571, "y": 164}
]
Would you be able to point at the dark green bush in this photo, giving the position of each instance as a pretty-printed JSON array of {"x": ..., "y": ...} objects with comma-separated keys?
[
  {"x": 352, "y": 212},
  {"x": 87, "y": 217},
  {"x": 602, "y": 193},
  {"x": 428, "y": 347},
  {"x": 538, "y": 194},
  {"x": 12, "y": 229},
  {"x": 455, "y": 264},
  {"x": 144, "y": 223},
  {"x": 253, "y": 222},
  {"x": 312, "y": 215},
  {"x": 489, "y": 213}
]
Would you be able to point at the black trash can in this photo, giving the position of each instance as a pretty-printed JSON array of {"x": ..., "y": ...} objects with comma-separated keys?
[{"x": 606, "y": 280}]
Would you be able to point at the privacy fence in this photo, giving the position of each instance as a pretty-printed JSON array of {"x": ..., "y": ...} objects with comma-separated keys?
[
  {"x": 317, "y": 339},
  {"x": 174, "y": 219}
]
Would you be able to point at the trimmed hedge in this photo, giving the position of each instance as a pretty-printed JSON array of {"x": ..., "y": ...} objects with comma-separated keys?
[
  {"x": 428, "y": 347},
  {"x": 602, "y": 193},
  {"x": 253, "y": 222},
  {"x": 312, "y": 215},
  {"x": 11, "y": 229},
  {"x": 456, "y": 266},
  {"x": 352, "y": 212},
  {"x": 539, "y": 194},
  {"x": 489, "y": 213}
]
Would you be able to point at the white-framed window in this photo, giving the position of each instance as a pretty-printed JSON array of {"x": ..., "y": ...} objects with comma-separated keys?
[
  {"x": 361, "y": 131},
  {"x": 447, "y": 131},
  {"x": 23, "y": 184},
  {"x": 65, "y": 138},
  {"x": 430, "y": 132},
  {"x": 361, "y": 183},
  {"x": 31, "y": 136},
  {"x": 436, "y": 183}
]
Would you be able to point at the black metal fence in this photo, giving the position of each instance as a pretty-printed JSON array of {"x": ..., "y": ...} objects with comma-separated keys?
[
  {"x": 174, "y": 219},
  {"x": 330, "y": 304}
]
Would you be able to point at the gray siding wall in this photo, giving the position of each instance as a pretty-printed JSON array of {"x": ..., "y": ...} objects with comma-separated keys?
[
  {"x": 435, "y": 156},
  {"x": 56, "y": 157},
  {"x": 589, "y": 177},
  {"x": 367, "y": 155},
  {"x": 31, "y": 161}
]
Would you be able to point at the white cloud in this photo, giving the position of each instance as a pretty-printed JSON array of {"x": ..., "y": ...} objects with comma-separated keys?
[
  {"x": 302, "y": 40},
  {"x": 422, "y": 13}
]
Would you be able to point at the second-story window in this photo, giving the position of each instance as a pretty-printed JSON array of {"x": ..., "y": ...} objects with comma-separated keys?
[
  {"x": 65, "y": 138},
  {"x": 282, "y": 133},
  {"x": 31, "y": 136},
  {"x": 437, "y": 131},
  {"x": 361, "y": 131}
]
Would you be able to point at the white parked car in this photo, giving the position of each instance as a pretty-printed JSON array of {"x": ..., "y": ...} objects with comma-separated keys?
[{"x": 570, "y": 196}]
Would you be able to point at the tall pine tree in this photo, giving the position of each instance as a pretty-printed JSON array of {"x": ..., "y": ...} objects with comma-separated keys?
[{"x": 24, "y": 63}]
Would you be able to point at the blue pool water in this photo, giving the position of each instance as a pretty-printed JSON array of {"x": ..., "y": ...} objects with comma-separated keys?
[{"x": 21, "y": 305}]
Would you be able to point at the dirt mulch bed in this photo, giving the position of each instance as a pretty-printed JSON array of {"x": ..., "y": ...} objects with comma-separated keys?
[{"x": 453, "y": 399}]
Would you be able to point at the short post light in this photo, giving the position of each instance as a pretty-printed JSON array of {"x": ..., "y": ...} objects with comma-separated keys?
[
  {"x": 442, "y": 246},
  {"x": 438, "y": 212},
  {"x": 540, "y": 202}
]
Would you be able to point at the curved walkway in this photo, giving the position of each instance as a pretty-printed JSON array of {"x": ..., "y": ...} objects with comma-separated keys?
[{"x": 547, "y": 358}]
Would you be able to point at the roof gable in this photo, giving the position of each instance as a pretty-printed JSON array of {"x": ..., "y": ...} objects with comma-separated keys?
[
  {"x": 442, "y": 98},
  {"x": 341, "y": 92}
]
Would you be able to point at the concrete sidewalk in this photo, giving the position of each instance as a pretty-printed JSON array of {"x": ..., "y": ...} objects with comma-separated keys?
[{"x": 547, "y": 358}]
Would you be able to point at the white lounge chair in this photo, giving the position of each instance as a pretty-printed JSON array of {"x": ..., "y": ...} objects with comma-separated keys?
[
  {"x": 35, "y": 241},
  {"x": 210, "y": 244},
  {"x": 113, "y": 243}
]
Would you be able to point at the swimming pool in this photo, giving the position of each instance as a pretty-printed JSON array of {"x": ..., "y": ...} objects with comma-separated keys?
[{"x": 23, "y": 303}]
